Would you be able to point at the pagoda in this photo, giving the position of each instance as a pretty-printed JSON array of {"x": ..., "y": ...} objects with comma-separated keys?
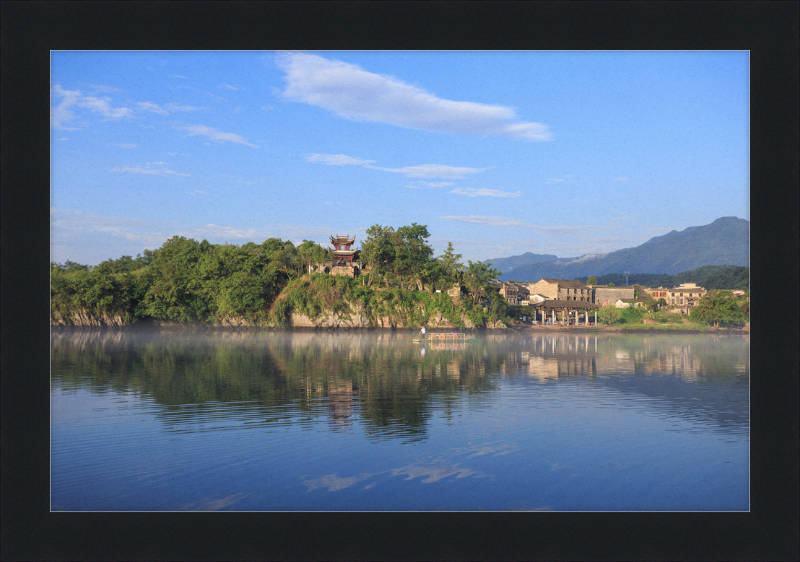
[{"x": 343, "y": 256}]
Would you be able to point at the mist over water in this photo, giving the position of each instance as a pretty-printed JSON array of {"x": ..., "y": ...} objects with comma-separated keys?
[{"x": 155, "y": 420}]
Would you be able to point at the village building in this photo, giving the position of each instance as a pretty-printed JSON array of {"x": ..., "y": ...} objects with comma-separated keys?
[
  {"x": 605, "y": 295},
  {"x": 533, "y": 299},
  {"x": 686, "y": 297},
  {"x": 561, "y": 289},
  {"x": 567, "y": 312},
  {"x": 513, "y": 293},
  {"x": 657, "y": 293}
]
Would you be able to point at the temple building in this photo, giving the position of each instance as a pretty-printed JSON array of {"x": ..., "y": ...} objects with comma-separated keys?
[{"x": 342, "y": 258}]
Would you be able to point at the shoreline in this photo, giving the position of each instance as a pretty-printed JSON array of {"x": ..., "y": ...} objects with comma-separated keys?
[{"x": 515, "y": 329}]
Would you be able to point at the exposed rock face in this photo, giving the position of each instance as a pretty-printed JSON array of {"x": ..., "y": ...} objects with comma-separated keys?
[
  {"x": 84, "y": 318},
  {"x": 235, "y": 322},
  {"x": 332, "y": 321}
]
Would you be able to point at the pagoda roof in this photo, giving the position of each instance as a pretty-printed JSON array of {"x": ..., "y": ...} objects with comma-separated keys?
[
  {"x": 343, "y": 252},
  {"x": 342, "y": 239}
]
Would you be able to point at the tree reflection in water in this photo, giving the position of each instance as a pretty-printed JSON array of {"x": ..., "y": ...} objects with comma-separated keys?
[{"x": 376, "y": 378}]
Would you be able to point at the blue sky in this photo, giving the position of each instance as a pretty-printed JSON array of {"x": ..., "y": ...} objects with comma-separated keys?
[{"x": 567, "y": 153}]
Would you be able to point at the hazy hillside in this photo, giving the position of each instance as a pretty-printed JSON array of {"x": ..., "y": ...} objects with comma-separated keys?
[
  {"x": 507, "y": 265},
  {"x": 726, "y": 241}
]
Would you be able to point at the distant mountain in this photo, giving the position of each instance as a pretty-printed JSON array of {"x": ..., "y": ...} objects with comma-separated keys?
[
  {"x": 726, "y": 241},
  {"x": 507, "y": 265}
]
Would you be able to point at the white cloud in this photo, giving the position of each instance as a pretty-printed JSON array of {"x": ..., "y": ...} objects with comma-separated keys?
[
  {"x": 337, "y": 160},
  {"x": 421, "y": 171},
  {"x": 216, "y": 135},
  {"x": 431, "y": 171},
  {"x": 565, "y": 178},
  {"x": 621, "y": 178},
  {"x": 123, "y": 145},
  {"x": 76, "y": 220},
  {"x": 148, "y": 170},
  {"x": 505, "y": 221},
  {"x": 353, "y": 93},
  {"x": 62, "y": 115},
  {"x": 178, "y": 107},
  {"x": 177, "y": 76},
  {"x": 473, "y": 192},
  {"x": 193, "y": 193},
  {"x": 232, "y": 87},
  {"x": 434, "y": 183},
  {"x": 583, "y": 258},
  {"x": 62, "y": 139},
  {"x": 148, "y": 106},
  {"x": 170, "y": 107},
  {"x": 487, "y": 221},
  {"x": 102, "y": 88}
]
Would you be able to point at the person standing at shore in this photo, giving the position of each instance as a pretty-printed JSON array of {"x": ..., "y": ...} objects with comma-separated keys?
[{"x": 422, "y": 332}]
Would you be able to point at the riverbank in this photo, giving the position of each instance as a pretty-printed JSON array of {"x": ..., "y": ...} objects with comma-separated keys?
[{"x": 631, "y": 329}]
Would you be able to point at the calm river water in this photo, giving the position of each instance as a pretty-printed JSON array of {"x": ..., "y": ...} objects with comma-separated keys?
[{"x": 370, "y": 421}]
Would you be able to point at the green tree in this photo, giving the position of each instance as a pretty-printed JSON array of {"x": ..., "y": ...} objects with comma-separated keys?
[
  {"x": 378, "y": 252},
  {"x": 609, "y": 314},
  {"x": 477, "y": 278},
  {"x": 451, "y": 265},
  {"x": 592, "y": 280},
  {"x": 718, "y": 308},
  {"x": 412, "y": 253},
  {"x": 611, "y": 284}
]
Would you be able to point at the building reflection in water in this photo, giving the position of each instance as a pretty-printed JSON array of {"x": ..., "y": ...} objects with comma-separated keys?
[
  {"x": 340, "y": 403},
  {"x": 378, "y": 379}
]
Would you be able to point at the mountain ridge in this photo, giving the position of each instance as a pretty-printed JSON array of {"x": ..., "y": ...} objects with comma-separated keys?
[{"x": 726, "y": 241}]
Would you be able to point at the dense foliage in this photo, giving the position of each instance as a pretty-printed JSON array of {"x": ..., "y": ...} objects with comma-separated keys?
[
  {"x": 710, "y": 277},
  {"x": 263, "y": 284},
  {"x": 721, "y": 308}
]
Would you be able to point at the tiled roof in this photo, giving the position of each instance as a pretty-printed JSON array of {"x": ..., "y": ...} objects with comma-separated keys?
[
  {"x": 566, "y": 283},
  {"x": 557, "y": 303},
  {"x": 687, "y": 290}
]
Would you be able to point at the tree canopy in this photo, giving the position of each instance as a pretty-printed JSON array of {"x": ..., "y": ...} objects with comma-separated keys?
[
  {"x": 188, "y": 281},
  {"x": 719, "y": 308}
]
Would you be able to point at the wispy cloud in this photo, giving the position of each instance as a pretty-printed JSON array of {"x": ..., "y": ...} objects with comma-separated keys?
[
  {"x": 337, "y": 160},
  {"x": 431, "y": 171},
  {"x": 167, "y": 108},
  {"x": 428, "y": 184},
  {"x": 62, "y": 115},
  {"x": 487, "y": 221},
  {"x": 216, "y": 135},
  {"x": 102, "y": 88},
  {"x": 421, "y": 171},
  {"x": 77, "y": 220},
  {"x": 473, "y": 192},
  {"x": 148, "y": 106},
  {"x": 358, "y": 95},
  {"x": 148, "y": 169},
  {"x": 509, "y": 222},
  {"x": 232, "y": 87},
  {"x": 565, "y": 178},
  {"x": 177, "y": 76},
  {"x": 587, "y": 257},
  {"x": 193, "y": 193},
  {"x": 124, "y": 145}
]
